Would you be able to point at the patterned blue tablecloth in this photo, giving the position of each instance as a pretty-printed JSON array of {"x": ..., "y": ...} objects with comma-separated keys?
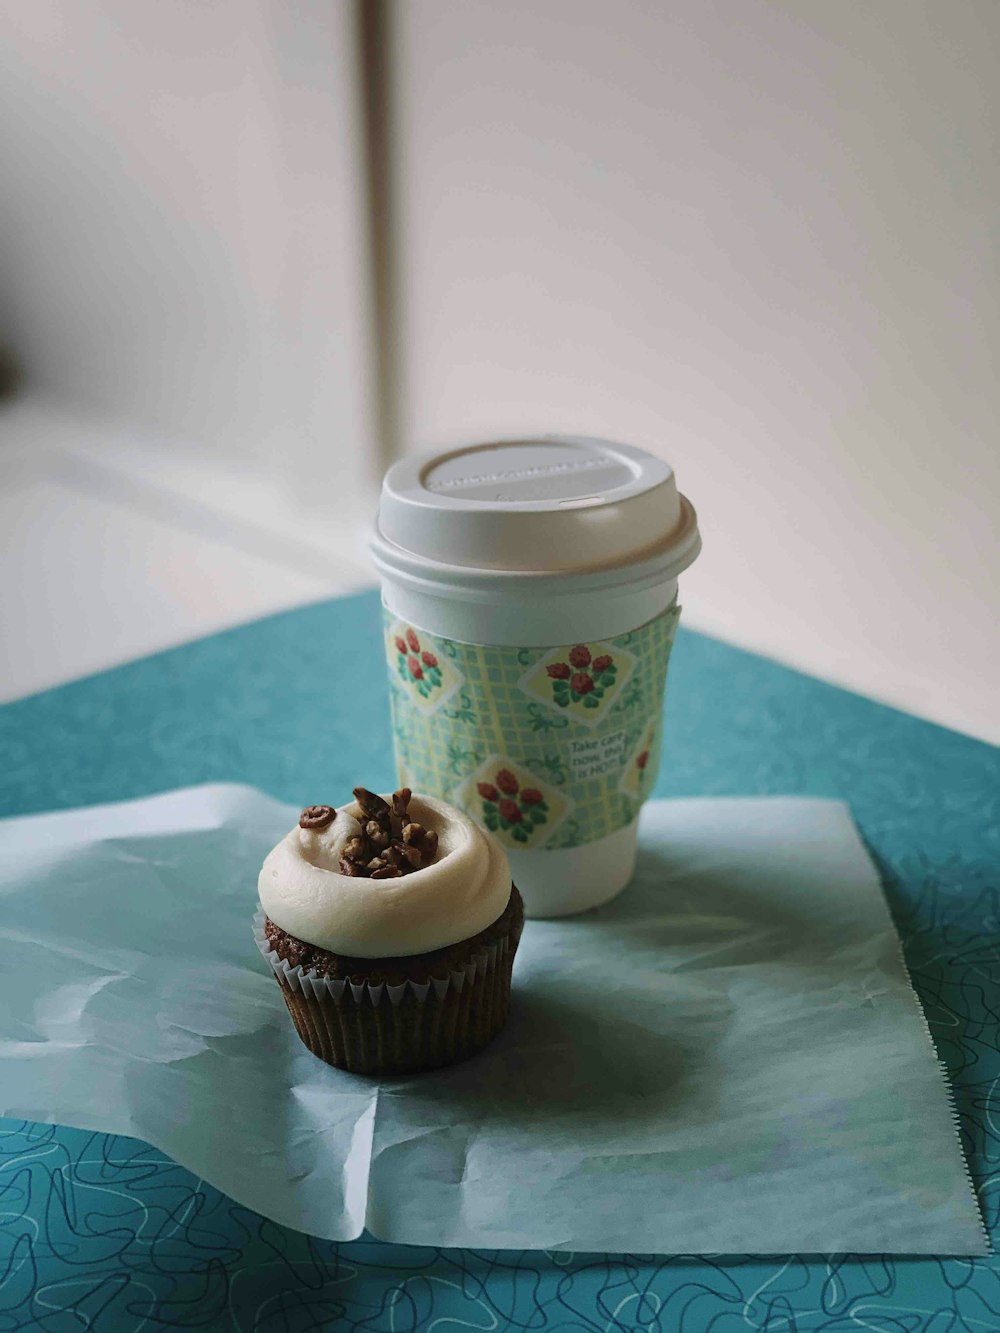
[{"x": 106, "y": 1233}]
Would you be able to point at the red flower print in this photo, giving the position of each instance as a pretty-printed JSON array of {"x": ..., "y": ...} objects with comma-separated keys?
[
  {"x": 487, "y": 791},
  {"x": 558, "y": 670},
  {"x": 507, "y": 782},
  {"x": 416, "y": 670},
  {"x": 643, "y": 759},
  {"x": 412, "y": 640},
  {"x": 531, "y": 796},
  {"x": 511, "y": 811},
  {"x": 602, "y": 663},
  {"x": 581, "y": 683},
  {"x": 580, "y": 655},
  {"x": 428, "y": 659},
  {"x": 401, "y": 645}
]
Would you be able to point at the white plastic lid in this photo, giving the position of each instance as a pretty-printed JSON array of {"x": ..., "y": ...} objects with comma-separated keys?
[{"x": 551, "y": 505}]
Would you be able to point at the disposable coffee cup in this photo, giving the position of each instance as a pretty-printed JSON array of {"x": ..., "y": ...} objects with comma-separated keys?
[{"x": 529, "y": 592}]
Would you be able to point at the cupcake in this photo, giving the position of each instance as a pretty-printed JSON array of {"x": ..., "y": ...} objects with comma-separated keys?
[{"x": 391, "y": 927}]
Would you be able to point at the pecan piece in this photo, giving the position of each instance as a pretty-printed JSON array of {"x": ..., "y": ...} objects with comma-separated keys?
[
  {"x": 317, "y": 816},
  {"x": 413, "y": 855},
  {"x": 377, "y": 835},
  {"x": 396, "y": 856},
  {"x": 371, "y": 803},
  {"x": 356, "y": 849},
  {"x": 422, "y": 841}
]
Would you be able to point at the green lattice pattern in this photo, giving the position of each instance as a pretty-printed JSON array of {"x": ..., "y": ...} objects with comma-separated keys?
[{"x": 516, "y": 720}]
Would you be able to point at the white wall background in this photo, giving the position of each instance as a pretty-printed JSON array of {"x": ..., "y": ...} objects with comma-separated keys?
[
  {"x": 182, "y": 214},
  {"x": 760, "y": 239},
  {"x": 184, "y": 285}
]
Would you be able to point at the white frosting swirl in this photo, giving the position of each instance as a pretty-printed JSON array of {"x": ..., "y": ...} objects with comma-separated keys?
[{"x": 462, "y": 892}]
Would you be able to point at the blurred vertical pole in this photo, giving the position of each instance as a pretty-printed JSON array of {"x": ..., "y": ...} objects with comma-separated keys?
[{"x": 374, "y": 23}]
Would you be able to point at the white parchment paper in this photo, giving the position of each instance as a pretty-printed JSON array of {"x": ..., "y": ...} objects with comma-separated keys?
[{"x": 727, "y": 1059}]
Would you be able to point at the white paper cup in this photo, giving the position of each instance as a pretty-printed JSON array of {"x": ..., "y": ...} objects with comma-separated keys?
[{"x": 530, "y": 597}]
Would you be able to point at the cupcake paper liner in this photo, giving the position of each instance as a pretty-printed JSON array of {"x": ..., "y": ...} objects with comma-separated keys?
[{"x": 380, "y": 1028}]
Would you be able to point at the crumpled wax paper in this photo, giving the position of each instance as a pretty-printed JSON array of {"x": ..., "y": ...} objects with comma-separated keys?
[{"x": 729, "y": 1058}]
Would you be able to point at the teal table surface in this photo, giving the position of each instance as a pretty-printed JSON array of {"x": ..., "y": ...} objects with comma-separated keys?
[{"x": 105, "y": 1233}]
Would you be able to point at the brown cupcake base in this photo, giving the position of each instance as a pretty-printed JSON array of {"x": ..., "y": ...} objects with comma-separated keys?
[{"x": 398, "y": 1015}]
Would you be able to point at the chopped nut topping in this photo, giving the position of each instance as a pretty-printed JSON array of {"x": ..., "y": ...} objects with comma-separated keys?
[{"x": 390, "y": 844}]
